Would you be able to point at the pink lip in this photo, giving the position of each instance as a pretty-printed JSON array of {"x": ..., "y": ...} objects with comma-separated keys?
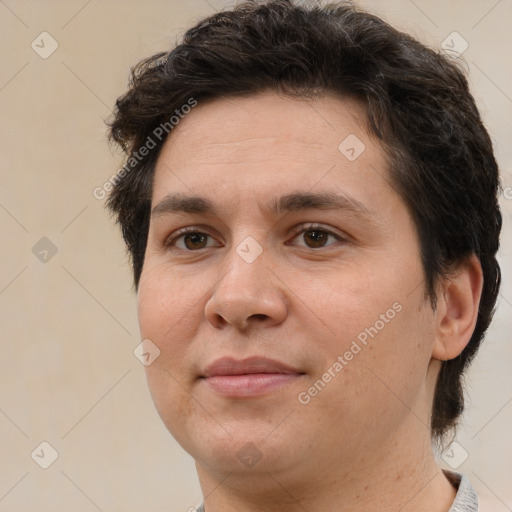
[{"x": 248, "y": 377}]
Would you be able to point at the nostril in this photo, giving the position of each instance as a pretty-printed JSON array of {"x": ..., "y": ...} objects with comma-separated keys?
[{"x": 259, "y": 316}]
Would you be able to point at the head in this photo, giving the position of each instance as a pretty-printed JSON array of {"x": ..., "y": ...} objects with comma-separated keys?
[{"x": 243, "y": 123}]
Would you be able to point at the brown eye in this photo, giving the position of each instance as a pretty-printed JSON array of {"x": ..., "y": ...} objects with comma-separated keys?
[
  {"x": 316, "y": 238},
  {"x": 195, "y": 240},
  {"x": 191, "y": 240}
]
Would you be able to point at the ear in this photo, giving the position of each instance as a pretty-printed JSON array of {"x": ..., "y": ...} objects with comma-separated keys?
[{"x": 456, "y": 313}]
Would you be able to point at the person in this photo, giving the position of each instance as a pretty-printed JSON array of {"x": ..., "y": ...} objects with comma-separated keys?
[{"x": 310, "y": 205}]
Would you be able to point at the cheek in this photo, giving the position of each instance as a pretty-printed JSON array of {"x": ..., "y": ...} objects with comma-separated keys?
[
  {"x": 166, "y": 305},
  {"x": 395, "y": 361},
  {"x": 166, "y": 312},
  {"x": 168, "y": 315},
  {"x": 347, "y": 306},
  {"x": 384, "y": 339},
  {"x": 381, "y": 381}
]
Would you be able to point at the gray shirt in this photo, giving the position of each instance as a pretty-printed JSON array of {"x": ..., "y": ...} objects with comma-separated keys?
[{"x": 466, "y": 499}]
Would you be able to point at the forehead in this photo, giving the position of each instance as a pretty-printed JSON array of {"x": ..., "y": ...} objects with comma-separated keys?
[
  {"x": 270, "y": 143},
  {"x": 266, "y": 118}
]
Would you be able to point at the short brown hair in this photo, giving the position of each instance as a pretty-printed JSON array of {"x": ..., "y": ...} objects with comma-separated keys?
[{"x": 417, "y": 104}]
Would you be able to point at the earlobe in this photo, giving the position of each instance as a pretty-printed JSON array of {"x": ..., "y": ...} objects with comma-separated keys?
[{"x": 457, "y": 309}]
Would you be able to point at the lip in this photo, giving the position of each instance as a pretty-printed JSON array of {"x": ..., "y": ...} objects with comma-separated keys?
[{"x": 248, "y": 377}]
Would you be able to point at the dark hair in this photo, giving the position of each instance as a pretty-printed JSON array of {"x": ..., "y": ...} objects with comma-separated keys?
[{"x": 417, "y": 104}]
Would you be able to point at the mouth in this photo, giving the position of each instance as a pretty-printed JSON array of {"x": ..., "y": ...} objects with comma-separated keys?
[{"x": 249, "y": 377}]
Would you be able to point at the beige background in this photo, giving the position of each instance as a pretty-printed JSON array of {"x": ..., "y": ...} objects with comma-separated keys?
[{"x": 68, "y": 325}]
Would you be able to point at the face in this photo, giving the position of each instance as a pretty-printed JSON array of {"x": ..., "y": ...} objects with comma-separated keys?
[{"x": 283, "y": 286}]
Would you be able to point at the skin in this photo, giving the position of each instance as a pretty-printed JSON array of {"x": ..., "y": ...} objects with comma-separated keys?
[{"x": 363, "y": 442}]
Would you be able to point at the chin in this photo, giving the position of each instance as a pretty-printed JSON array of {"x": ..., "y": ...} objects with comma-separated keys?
[{"x": 239, "y": 448}]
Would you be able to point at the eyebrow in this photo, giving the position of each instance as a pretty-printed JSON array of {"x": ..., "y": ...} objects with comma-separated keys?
[{"x": 298, "y": 201}]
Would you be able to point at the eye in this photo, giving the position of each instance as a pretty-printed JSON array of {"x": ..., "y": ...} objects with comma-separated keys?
[
  {"x": 316, "y": 237},
  {"x": 189, "y": 239}
]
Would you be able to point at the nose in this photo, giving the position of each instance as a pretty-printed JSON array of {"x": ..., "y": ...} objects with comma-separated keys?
[{"x": 247, "y": 294}]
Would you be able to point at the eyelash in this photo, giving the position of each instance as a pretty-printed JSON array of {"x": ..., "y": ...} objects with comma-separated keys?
[{"x": 302, "y": 228}]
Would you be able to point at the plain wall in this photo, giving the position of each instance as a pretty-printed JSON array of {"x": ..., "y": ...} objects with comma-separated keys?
[{"x": 68, "y": 324}]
